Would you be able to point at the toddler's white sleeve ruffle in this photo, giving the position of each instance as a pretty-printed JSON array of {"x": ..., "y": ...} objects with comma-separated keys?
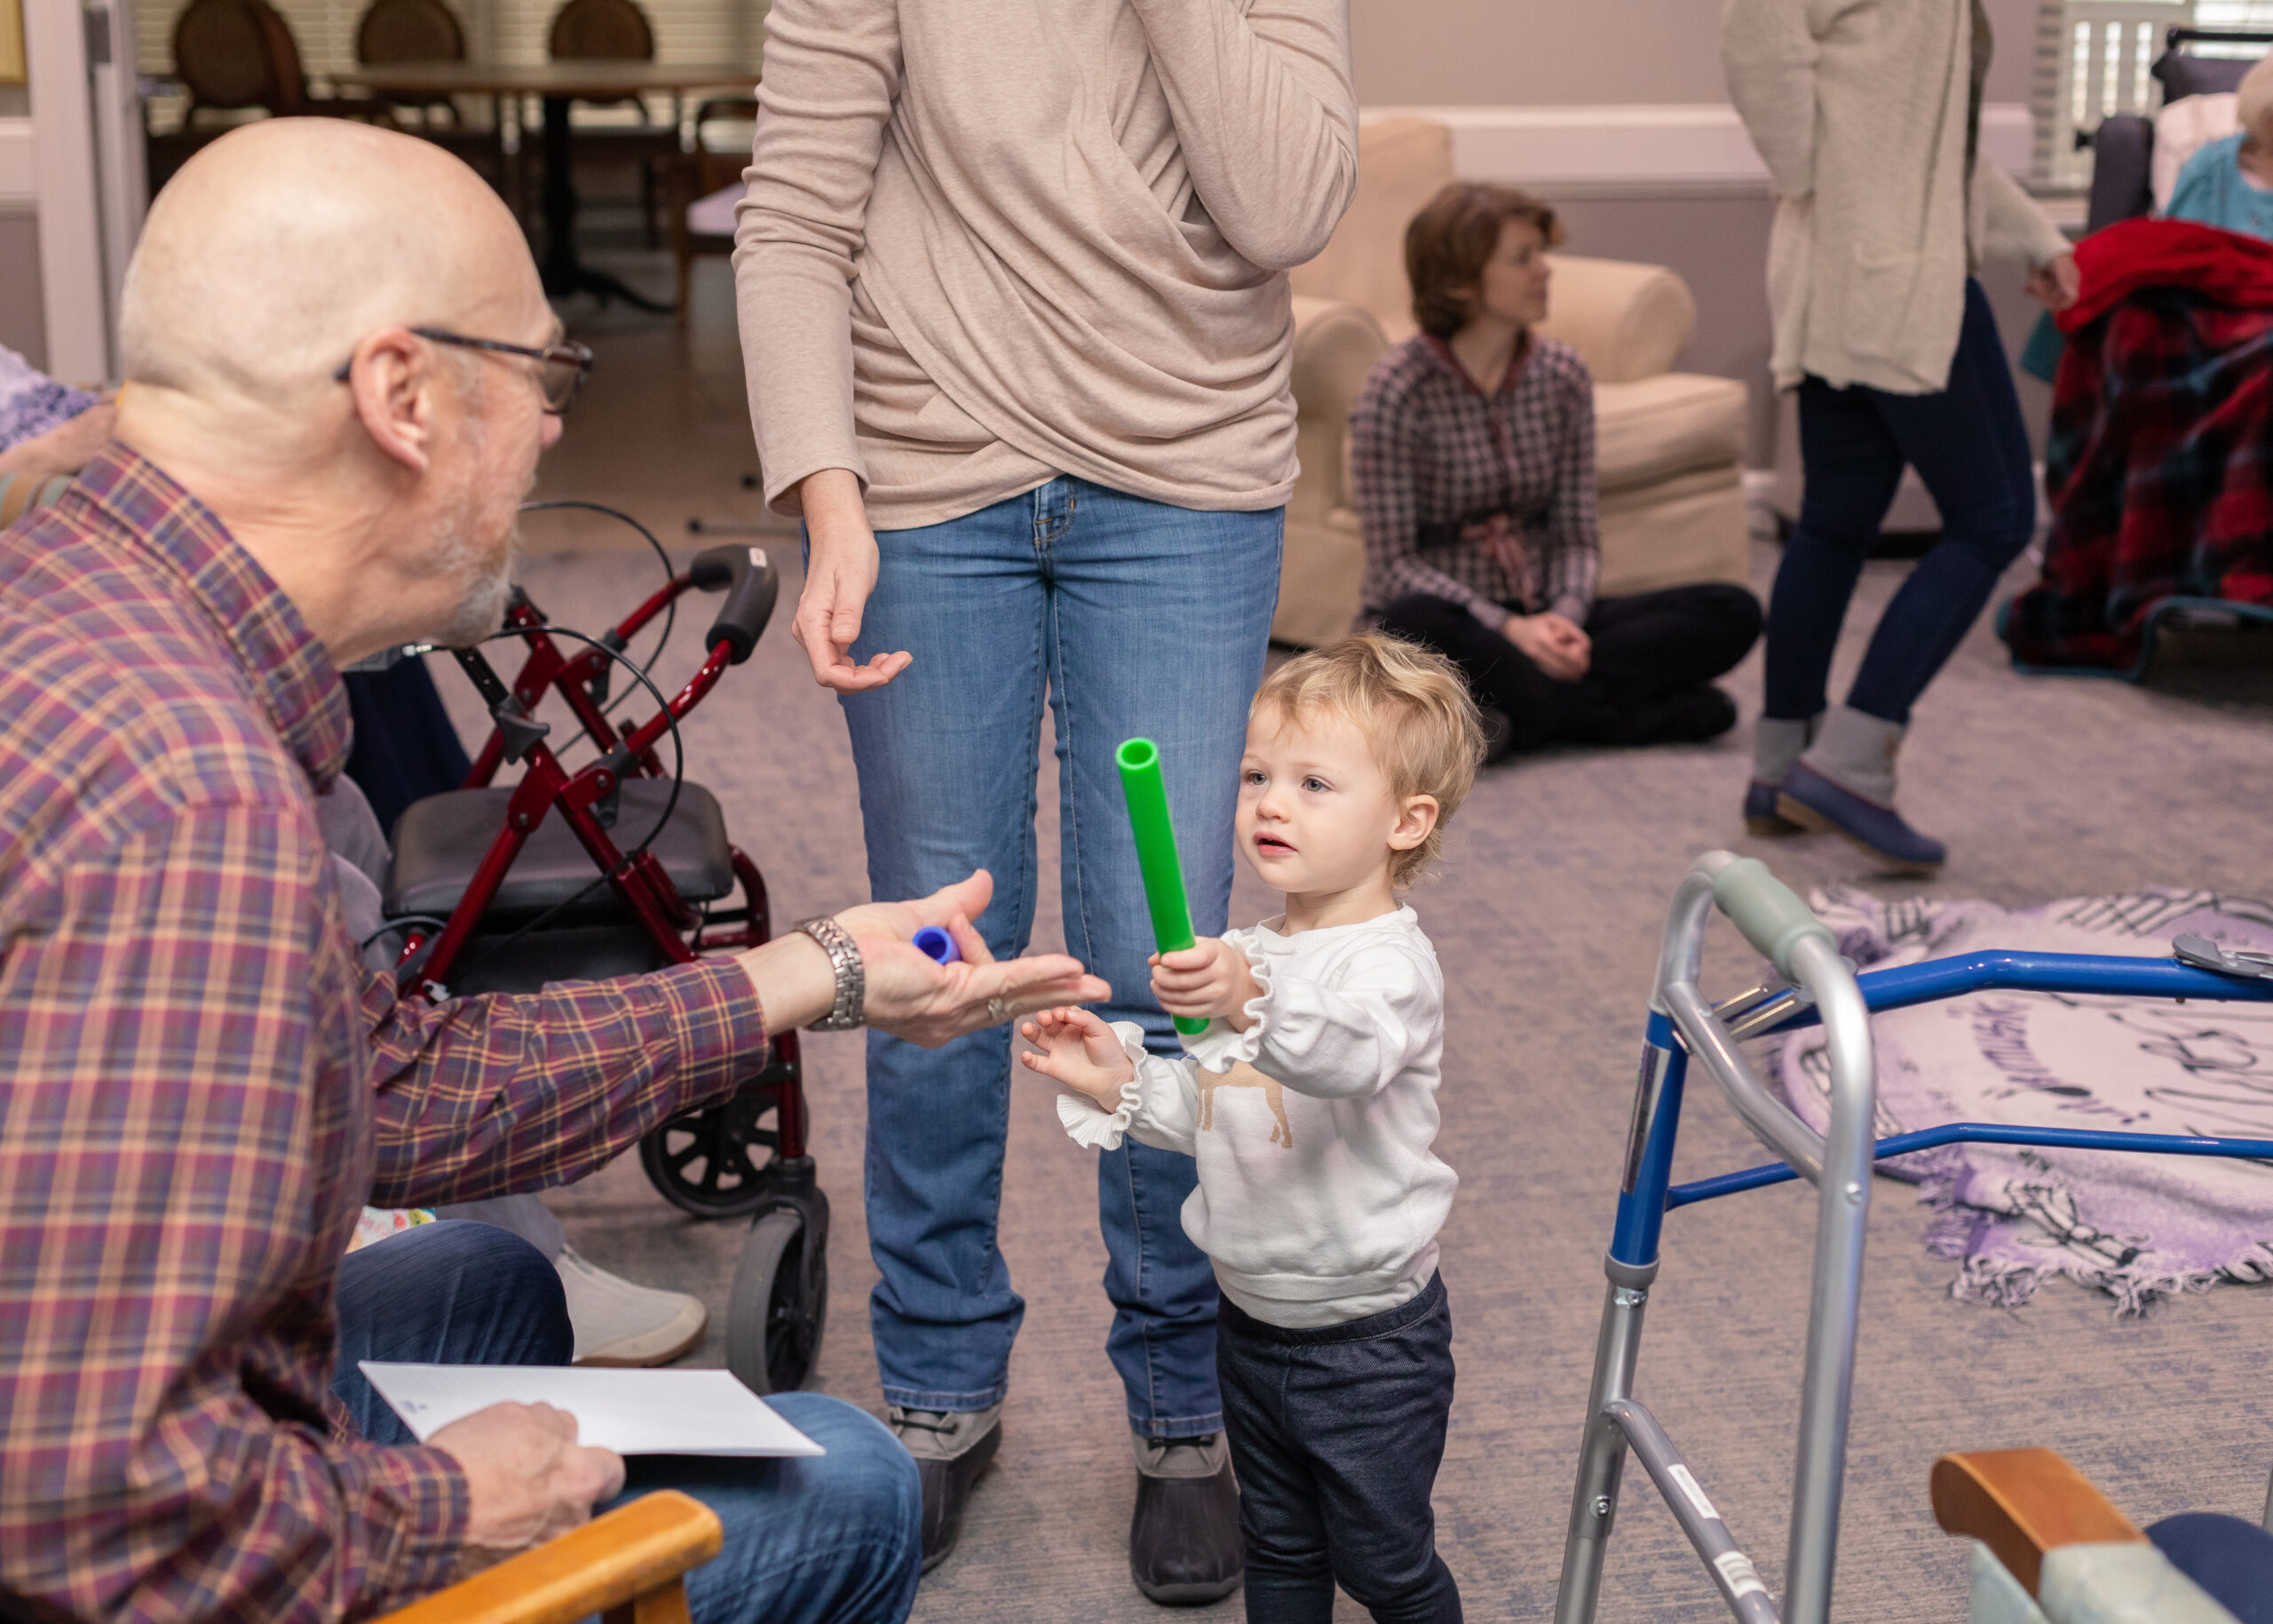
[
  {"x": 1153, "y": 1102},
  {"x": 1221, "y": 1046}
]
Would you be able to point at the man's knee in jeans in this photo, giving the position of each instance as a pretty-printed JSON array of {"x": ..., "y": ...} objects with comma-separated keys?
[
  {"x": 837, "y": 1537},
  {"x": 451, "y": 1293}
]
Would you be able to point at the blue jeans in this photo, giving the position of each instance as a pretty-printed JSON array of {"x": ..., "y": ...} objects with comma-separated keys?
[
  {"x": 1137, "y": 618},
  {"x": 837, "y": 1537},
  {"x": 1971, "y": 448},
  {"x": 1336, "y": 1434}
]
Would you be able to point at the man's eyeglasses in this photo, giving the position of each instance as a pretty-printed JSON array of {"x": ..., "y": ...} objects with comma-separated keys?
[{"x": 561, "y": 368}]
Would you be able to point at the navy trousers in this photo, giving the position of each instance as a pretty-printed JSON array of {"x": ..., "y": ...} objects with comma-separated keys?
[
  {"x": 1336, "y": 1434},
  {"x": 1971, "y": 448}
]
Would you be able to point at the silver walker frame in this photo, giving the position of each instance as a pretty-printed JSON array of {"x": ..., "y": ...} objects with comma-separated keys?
[
  {"x": 1839, "y": 1164},
  {"x": 1817, "y": 984}
]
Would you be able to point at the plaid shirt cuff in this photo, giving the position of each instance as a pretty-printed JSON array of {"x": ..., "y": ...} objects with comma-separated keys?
[
  {"x": 420, "y": 1507},
  {"x": 1571, "y": 607},
  {"x": 715, "y": 1016}
]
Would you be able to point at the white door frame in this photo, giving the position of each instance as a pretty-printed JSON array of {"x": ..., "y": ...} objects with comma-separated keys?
[{"x": 70, "y": 226}]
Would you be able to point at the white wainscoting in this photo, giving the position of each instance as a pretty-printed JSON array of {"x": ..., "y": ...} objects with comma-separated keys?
[
  {"x": 1644, "y": 147},
  {"x": 18, "y": 168}
]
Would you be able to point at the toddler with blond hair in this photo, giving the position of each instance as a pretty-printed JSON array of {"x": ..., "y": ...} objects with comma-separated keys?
[{"x": 1310, "y": 1104}]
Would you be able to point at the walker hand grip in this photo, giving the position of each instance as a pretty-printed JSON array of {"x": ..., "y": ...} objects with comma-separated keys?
[
  {"x": 751, "y": 586},
  {"x": 1139, "y": 760},
  {"x": 1762, "y": 907}
]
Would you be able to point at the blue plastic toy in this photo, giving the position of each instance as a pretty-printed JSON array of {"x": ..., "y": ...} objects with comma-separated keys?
[{"x": 936, "y": 942}]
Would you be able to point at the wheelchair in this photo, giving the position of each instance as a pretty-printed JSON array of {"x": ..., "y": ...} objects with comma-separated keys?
[{"x": 616, "y": 868}]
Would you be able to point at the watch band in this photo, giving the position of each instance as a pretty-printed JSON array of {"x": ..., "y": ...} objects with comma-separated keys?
[{"x": 851, "y": 977}]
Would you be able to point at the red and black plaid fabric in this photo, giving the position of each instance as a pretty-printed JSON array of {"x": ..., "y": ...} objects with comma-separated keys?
[
  {"x": 200, "y": 1087},
  {"x": 2158, "y": 469},
  {"x": 1485, "y": 500}
]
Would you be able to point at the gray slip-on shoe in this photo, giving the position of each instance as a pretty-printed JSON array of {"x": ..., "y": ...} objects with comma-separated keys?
[{"x": 952, "y": 1447}]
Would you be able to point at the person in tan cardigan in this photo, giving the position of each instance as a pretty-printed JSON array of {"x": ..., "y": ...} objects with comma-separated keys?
[
  {"x": 1019, "y": 337},
  {"x": 1868, "y": 116}
]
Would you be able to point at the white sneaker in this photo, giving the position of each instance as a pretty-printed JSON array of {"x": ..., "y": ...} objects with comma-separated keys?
[{"x": 619, "y": 1323}]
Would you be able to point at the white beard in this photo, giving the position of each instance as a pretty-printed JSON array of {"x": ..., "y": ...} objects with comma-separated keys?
[{"x": 458, "y": 554}]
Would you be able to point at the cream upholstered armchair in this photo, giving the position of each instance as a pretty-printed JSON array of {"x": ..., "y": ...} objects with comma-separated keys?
[{"x": 1669, "y": 445}]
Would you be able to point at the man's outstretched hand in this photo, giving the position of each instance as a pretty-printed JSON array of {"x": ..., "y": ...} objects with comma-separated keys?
[
  {"x": 908, "y": 995},
  {"x": 527, "y": 1479},
  {"x": 928, "y": 1003}
]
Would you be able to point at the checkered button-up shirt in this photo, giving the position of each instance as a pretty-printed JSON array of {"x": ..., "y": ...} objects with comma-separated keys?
[
  {"x": 200, "y": 1086},
  {"x": 1485, "y": 500}
]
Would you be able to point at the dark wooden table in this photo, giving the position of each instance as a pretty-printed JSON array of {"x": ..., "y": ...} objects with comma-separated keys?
[{"x": 559, "y": 84}]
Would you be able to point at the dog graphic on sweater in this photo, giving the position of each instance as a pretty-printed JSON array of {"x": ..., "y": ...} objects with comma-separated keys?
[{"x": 1244, "y": 1076}]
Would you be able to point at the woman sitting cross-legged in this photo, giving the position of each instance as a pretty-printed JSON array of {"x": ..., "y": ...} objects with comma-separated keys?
[{"x": 1472, "y": 449}]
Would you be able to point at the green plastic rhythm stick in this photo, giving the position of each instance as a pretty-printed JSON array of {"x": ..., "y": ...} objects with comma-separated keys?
[{"x": 1148, "y": 816}]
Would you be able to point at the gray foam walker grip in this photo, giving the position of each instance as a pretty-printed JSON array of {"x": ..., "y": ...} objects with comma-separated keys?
[{"x": 1764, "y": 908}]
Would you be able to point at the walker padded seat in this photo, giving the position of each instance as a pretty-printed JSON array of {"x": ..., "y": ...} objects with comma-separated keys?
[{"x": 440, "y": 841}]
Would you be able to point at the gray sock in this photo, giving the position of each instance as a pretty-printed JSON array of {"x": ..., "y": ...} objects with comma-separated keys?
[
  {"x": 1856, "y": 751},
  {"x": 1777, "y": 743}
]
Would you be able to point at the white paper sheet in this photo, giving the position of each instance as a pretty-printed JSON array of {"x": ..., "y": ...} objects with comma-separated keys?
[{"x": 632, "y": 1412}]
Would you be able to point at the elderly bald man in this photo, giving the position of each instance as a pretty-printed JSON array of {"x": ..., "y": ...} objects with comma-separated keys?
[{"x": 340, "y": 372}]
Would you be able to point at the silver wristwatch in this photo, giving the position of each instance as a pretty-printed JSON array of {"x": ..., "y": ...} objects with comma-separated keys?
[{"x": 851, "y": 978}]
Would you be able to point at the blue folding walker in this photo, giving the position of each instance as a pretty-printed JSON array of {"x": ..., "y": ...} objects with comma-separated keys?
[{"x": 1817, "y": 984}]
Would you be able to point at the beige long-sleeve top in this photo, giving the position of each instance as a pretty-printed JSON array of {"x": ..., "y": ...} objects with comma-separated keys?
[
  {"x": 1860, "y": 110},
  {"x": 989, "y": 242}
]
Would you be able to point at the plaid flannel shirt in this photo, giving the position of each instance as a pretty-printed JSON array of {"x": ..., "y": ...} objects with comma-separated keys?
[
  {"x": 1485, "y": 500},
  {"x": 200, "y": 1086}
]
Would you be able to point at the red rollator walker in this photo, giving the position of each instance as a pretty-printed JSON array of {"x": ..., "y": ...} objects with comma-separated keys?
[{"x": 616, "y": 868}]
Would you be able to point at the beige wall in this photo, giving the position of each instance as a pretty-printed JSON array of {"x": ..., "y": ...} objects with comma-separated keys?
[
  {"x": 23, "y": 325},
  {"x": 1420, "y": 53},
  {"x": 1576, "y": 52}
]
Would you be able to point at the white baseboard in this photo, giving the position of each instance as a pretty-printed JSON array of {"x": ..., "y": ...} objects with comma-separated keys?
[{"x": 1643, "y": 147}]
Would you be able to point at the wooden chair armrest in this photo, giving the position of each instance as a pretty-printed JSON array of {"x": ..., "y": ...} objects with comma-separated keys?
[
  {"x": 626, "y": 1565},
  {"x": 2022, "y": 1503}
]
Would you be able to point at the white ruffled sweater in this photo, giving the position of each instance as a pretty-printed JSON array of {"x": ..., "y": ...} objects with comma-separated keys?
[{"x": 1319, "y": 1197}]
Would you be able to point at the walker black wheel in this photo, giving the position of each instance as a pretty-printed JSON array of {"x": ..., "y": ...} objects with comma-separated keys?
[
  {"x": 714, "y": 1163},
  {"x": 779, "y": 1305}
]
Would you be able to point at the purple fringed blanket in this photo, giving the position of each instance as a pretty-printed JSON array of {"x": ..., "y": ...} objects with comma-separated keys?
[{"x": 2140, "y": 1227}]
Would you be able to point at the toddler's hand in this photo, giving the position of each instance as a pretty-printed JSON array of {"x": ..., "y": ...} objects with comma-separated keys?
[
  {"x": 1079, "y": 1051},
  {"x": 1205, "y": 981}
]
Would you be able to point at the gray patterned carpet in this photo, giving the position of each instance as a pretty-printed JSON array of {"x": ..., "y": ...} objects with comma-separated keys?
[{"x": 1556, "y": 875}]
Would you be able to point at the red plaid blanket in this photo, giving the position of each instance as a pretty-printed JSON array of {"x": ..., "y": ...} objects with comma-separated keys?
[{"x": 2157, "y": 465}]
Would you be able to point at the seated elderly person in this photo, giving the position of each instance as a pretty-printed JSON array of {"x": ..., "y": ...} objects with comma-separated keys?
[
  {"x": 204, "y": 1086},
  {"x": 2229, "y": 182},
  {"x": 405, "y": 745}
]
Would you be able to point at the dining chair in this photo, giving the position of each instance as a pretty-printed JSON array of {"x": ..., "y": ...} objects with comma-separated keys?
[
  {"x": 618, "y": 31},
  {"x": 412, "y": 31},
  {"x": 708, "y": 185}
]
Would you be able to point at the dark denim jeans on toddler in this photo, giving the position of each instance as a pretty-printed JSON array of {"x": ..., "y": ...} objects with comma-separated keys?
[{"x": 1336, "y": 1433}]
